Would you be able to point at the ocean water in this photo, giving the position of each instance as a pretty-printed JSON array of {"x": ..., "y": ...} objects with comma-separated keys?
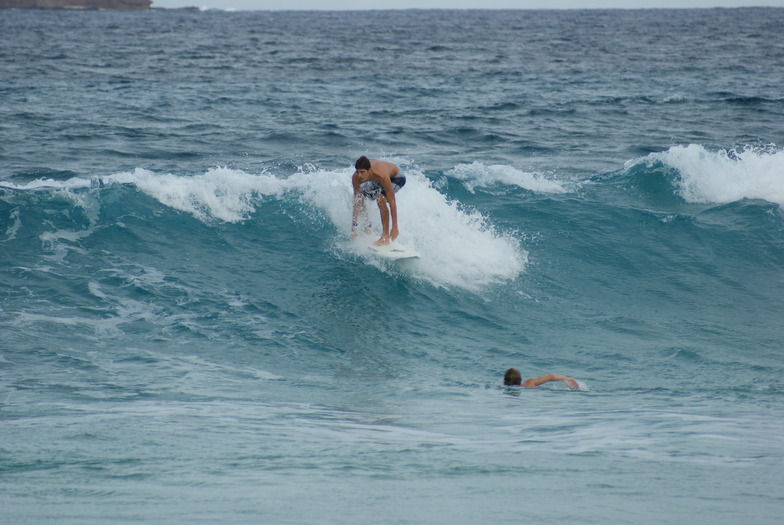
[{"x": 188, "y": 335}]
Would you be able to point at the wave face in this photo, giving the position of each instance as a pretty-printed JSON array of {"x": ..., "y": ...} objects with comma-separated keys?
[{"x": 188, "y": 333}]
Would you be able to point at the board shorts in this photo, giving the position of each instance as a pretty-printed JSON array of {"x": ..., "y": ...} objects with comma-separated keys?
[{"x": 372, "y": 190}]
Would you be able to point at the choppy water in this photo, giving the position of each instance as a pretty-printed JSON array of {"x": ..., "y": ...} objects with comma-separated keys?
[{"x": 187, "y": 334}]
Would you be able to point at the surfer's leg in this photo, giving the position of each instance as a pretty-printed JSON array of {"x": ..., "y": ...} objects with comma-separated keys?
[{"x": 383, "y": 209}]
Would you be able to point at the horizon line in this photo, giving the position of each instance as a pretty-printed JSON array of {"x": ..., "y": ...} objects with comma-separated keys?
[{"x": 312, "y": 9}]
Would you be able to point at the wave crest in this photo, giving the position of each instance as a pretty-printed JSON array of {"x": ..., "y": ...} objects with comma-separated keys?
[
  {"x": 478, "y": 175},
  {"x": 725, "y": 176}
]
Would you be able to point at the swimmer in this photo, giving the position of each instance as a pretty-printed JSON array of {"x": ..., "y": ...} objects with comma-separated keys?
[{"x": 512, "y": 377}]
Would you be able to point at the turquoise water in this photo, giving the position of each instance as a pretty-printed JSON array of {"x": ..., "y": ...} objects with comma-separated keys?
[{"x": 187, "y": 334}]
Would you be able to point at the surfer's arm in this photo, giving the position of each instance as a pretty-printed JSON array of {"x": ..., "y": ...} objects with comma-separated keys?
[{"x": 536, "y": 381}]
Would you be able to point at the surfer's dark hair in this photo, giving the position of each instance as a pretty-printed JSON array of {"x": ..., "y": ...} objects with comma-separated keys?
[
  {"x": 512, "y": 377},
  {"x": 363, "y": 163}
]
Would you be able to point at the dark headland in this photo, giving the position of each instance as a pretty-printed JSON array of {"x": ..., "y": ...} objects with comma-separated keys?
[{"x": 125, "y": 5}]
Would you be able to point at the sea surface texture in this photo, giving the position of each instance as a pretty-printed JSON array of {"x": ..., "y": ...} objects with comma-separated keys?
[{"x": 189, "y": 335}]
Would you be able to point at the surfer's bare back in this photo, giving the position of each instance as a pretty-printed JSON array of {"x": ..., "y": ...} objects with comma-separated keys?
[{"x": 377, "y": 180}]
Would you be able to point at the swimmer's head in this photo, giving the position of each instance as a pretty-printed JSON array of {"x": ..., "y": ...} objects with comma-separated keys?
[
  {"x": 512, "y": 377},
  {"x": 362, "y": 163}
]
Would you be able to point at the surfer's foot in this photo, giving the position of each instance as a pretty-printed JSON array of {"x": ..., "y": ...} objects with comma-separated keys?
[{"x": 383, "y": 241}]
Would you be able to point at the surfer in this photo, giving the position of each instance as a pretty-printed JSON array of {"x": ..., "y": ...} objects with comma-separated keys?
[
  {"x": 512, "y": 377},
  {"x": 377, "y": 180}
]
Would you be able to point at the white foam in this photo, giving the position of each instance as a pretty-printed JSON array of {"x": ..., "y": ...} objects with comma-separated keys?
[
  {"x": 95, "y": 289},
  {"x": 582, "y": 386},
  {"x": 61, "y": 242},
  {"x": 674, "y": 99},
  {"x": 11, "y": 231},
  {"x": 115, "y": 311},
  {"x": 457, "y": 246},
  {"x": 478, "y": 175},
  {"x": 726, "y": 176}
]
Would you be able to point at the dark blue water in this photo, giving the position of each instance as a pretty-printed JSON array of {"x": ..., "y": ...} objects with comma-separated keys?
[{"x": 187, "y": 333}]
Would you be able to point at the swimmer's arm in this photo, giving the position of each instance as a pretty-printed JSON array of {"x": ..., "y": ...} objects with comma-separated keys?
[{"x": 536, "y": 381}]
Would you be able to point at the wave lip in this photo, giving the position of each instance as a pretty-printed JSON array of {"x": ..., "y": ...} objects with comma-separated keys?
[
  {"x": 221, "y": 193},
  {"x": 724, "y": 176}
]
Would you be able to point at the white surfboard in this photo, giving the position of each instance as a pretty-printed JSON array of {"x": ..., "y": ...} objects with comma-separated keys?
[{"x": 394, "y": 251}]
